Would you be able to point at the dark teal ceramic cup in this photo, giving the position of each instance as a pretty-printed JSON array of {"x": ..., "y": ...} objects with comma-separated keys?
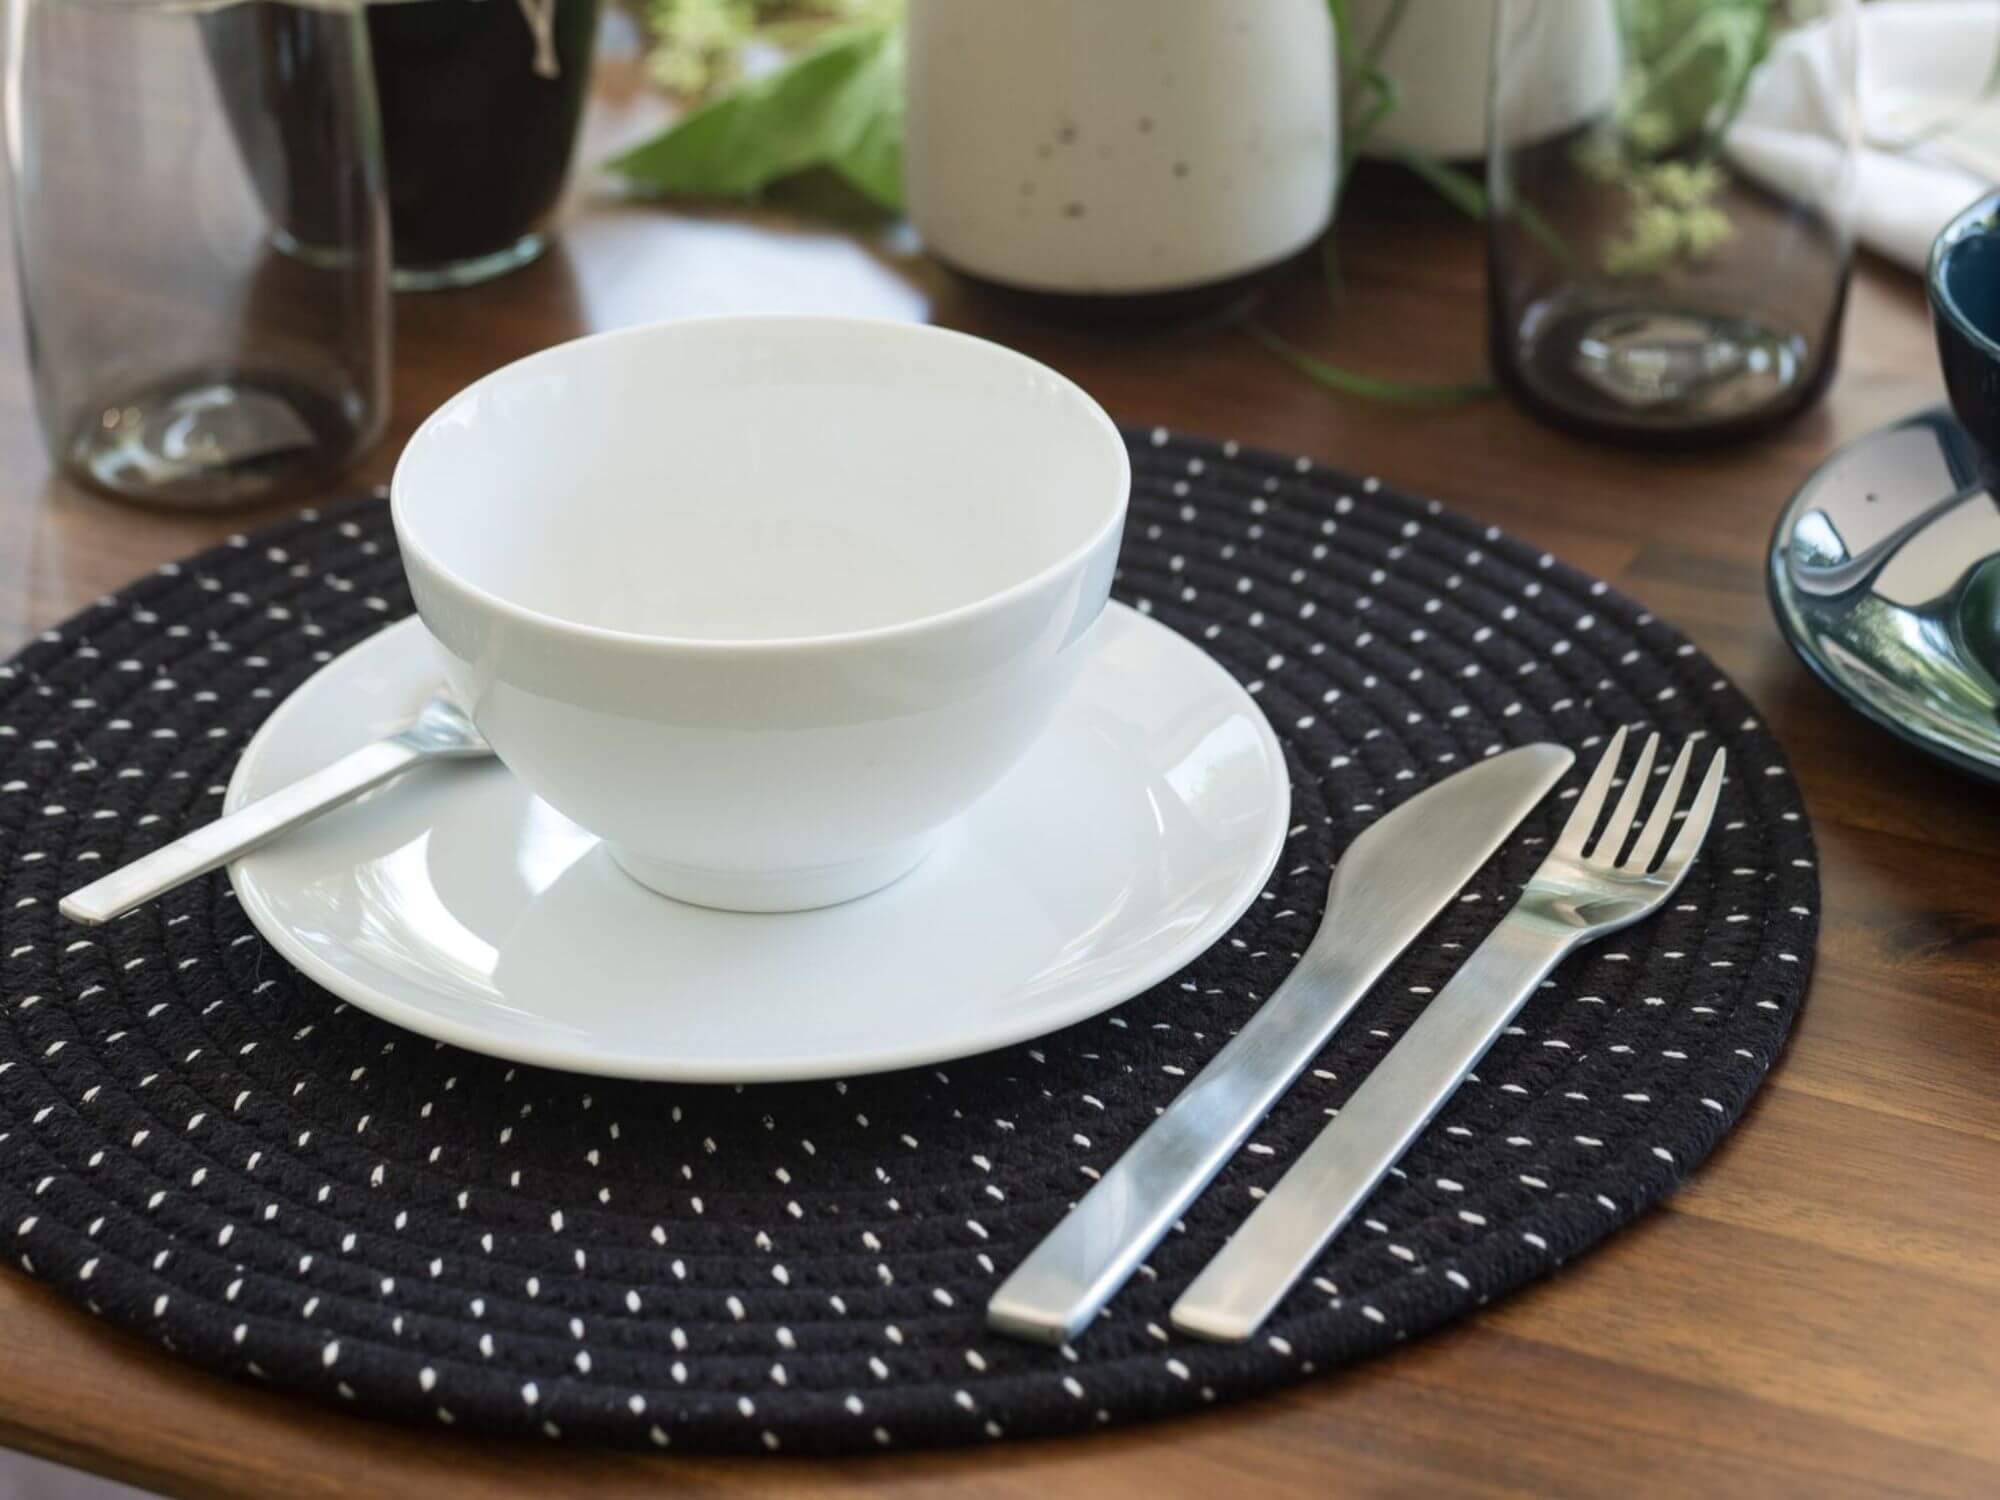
[{"x": 1964, "y": 284}]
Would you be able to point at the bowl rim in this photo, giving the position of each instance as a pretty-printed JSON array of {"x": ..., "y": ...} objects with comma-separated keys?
[
  {"x": 1074, "y": 559},
  {"x": 1978, "y": 218}
]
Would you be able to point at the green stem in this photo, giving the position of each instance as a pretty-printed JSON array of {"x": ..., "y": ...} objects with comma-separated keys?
[
  {"x": 1388, "y": 94},
  {"x": 1361, "y": 78},
  {"x": 1385, "y": 33},
  {"x": 1457, "y": 188},
  {"x": 1368, "y": 387},
  {"x": 1343, "y": 29},
  {"x": 1465, "y": 194}
]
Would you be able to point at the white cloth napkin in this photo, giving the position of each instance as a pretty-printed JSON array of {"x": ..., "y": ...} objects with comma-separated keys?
[{"x": 1930, "y": 119}]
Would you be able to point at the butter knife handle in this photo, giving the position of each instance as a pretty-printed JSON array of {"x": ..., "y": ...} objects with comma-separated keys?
[
  {"x": 1279, "y": 1242},
  {"x": 1060, "y": 1287}
]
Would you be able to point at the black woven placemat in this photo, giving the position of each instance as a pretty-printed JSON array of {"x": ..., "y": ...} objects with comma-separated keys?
[{"x": 201, "y": 1146}]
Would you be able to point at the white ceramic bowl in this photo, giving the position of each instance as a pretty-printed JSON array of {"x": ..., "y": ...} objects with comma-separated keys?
[{"x": 763, "y": 601}]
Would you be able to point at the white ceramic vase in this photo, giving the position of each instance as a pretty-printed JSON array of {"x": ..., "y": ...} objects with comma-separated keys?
[
  {"x": 1440, "y": 54},
  {"x": 1119, "y": 146}
]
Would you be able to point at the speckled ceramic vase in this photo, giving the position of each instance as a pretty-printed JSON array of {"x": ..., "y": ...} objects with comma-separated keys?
[{"x": 1120, "y": 149}]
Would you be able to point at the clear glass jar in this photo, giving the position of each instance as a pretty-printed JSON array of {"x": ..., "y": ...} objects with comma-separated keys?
[
  {"x": 1670, "y": 220},
  {"x": 164, "y": 154}
]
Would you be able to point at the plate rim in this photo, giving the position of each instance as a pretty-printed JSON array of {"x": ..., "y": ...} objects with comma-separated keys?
[
  {"x": 1777, "y": 591},
  {"x": 1092, "y": 998}
]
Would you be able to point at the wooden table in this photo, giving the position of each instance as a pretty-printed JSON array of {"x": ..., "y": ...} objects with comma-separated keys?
[{"x": 1817, "y": 1312}]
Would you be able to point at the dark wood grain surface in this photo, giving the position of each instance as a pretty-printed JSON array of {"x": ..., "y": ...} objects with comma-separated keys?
[{"x": 1816, "y": 1313}]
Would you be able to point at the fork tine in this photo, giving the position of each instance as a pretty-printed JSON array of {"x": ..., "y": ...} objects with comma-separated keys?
[
  {"x": 1695, "y": 827},
  {"x": 1619, "y": 827},
  {"x": 1590, "y": 802},
  {"x": 1655, "y": 832}
]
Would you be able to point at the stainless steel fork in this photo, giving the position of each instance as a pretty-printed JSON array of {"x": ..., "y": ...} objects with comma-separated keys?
[{"x": 1574, "y": 898}]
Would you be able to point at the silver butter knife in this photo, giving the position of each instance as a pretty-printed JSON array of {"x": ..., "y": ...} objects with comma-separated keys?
[
  {"x": 1394, "y": 878},
  {"x": 441, "y": 731},
  {"x": 1575, "y": 897}
]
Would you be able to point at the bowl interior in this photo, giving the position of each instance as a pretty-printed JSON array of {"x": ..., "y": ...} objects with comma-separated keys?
[
  {"x": 761, "y": 478},
  {"x": 1968, "y": 280}
]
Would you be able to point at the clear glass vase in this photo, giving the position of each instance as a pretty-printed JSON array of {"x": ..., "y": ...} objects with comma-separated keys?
[
  {"x": 1670, "y": 210},
  {"x": 180, "y": 353}
]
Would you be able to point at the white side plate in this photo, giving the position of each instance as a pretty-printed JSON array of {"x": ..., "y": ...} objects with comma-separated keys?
[{"x": 452, "y": 902}]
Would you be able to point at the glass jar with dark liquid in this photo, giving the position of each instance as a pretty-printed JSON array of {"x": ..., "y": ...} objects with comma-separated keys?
[
  {"x": 479, "y": 101},
  {"x": 1668, "y": 262}
]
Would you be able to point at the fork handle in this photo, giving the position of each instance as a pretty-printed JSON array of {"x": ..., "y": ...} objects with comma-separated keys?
[
  {"x": 215, "y": 844},
  {"x": 1238, "y": 1289}
]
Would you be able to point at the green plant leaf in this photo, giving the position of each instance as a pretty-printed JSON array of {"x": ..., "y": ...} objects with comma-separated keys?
[
  {"x": 1688, "y": 64},
  {"x": 1369, "y": 387},
  {"x": 838, "y": 106},
  {"x": 873, "y": 161}
]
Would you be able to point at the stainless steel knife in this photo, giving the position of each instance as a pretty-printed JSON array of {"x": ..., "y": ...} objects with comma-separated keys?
[{"x": 1389, "y": 885}]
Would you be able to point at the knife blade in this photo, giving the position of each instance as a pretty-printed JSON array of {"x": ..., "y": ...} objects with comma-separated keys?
[{"x": 1392, "y": 881}]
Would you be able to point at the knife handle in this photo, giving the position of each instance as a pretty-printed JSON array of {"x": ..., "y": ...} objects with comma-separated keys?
[
  {"x": 1250, "y": 1275},
  {"x": 1067, "y": 1279}
]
